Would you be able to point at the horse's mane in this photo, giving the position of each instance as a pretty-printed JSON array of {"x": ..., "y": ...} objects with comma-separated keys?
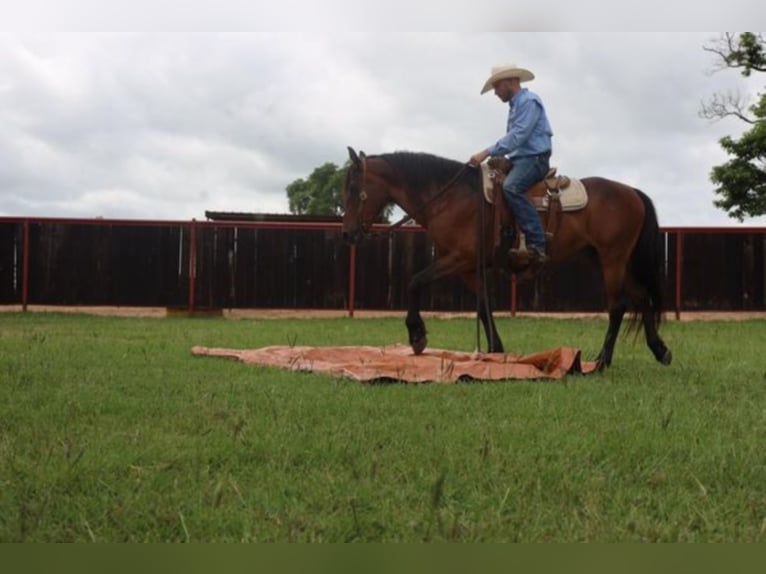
[{"x": 421, "y": 170}]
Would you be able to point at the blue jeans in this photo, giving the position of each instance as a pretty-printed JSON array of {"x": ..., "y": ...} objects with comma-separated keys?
[{"x": 526, "y": 172}]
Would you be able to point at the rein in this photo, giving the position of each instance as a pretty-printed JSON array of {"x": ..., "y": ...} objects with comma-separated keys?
[{"x": 391, "y": 228}]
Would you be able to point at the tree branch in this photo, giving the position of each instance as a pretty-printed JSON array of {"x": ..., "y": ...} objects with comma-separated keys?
[
  {"x": 721, "y": 106},
  {"x": 738, "y": 52}
]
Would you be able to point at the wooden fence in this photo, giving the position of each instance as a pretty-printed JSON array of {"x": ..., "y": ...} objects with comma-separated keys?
[{"x": 304, "y": 265}]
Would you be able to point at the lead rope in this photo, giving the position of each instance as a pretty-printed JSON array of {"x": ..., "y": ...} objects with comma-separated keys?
[
  {"x": 481, "y": 276},
  {"x": 479, "y": 257}
]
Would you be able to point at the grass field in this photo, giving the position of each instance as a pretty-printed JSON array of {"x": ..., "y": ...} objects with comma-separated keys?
[{"x": 111, "y": 431}]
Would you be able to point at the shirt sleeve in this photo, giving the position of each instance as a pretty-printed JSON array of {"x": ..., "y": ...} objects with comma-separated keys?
[{"x": 522, "y": 123}]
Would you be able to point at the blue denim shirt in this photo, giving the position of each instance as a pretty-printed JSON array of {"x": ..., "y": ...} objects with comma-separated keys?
[{"x": 529, "y": 132}]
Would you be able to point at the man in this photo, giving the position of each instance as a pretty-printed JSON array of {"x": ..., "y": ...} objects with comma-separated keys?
[{"x": 527, "y": 144}]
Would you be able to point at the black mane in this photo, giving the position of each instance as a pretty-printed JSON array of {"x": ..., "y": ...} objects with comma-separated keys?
[{"x": 422, "y": 170}]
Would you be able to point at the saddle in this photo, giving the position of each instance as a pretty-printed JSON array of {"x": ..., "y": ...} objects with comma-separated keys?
[
  {"x": 552, "y": 195},
  {"x": 571, "y": 192}
]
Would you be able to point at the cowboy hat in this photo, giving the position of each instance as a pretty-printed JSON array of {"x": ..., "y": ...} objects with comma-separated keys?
[{"x": 505, "y": 72}]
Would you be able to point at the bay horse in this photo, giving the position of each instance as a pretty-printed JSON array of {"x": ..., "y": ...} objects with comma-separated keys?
[{"x": 619, "y": 223}]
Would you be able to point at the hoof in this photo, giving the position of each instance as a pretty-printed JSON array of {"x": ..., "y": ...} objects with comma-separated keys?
[
  {"x": 667, "y": 358},
  {"x": 419, "y": 346},
  {"x": 602, "y": 364}
]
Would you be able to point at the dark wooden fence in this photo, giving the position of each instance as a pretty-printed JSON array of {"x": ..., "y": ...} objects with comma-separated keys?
[{"x": 301, "y": 265}]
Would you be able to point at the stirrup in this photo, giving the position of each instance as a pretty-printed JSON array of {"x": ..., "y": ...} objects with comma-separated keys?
[
  {"x": 518, "y": 259},
  {"x": 526, "y": 262},
  {"x": 538, "y": 254}
]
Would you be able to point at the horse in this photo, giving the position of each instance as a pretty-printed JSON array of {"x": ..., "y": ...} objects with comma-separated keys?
[{"x": 619, "y": 223}]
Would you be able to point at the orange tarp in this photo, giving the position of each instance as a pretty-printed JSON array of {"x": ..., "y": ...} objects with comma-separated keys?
[{"x": 398, "y": 363}]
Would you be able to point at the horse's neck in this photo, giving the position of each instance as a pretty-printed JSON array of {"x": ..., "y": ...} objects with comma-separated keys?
[
  {"x": 417, "y": 204},
  {"x": 408, "y": 202}
]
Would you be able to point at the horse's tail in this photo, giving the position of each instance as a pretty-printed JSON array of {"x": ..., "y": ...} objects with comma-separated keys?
[{"x": 646, "y": 259}]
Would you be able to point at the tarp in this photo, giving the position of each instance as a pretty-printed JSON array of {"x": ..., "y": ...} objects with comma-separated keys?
[{"x": 399, "y": 363}]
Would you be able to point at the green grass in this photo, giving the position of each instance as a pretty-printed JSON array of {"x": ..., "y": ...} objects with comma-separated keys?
[{"x": 110, "y": 430}]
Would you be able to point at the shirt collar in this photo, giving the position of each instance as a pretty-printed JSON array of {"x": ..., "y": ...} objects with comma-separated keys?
[{"x": 517, "y": 96}]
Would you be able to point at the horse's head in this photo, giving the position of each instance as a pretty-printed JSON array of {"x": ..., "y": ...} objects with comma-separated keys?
[{"x": 364, "y": 197}]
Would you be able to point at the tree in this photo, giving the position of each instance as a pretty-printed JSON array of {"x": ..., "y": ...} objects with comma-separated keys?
[
  {"x": 742, "y": 180},
  {"x": 320, "y": 194}
]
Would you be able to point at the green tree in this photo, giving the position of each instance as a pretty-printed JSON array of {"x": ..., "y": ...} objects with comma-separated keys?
[
  {"x": 320, "y": 194},
  {"x": 742, "y": 180}
]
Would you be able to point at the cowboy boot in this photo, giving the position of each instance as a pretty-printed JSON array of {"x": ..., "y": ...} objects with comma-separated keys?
[{"x": 536, "y": 259}]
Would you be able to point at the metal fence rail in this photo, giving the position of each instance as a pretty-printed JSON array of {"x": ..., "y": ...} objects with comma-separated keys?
[{"x": 306, "y": 265}]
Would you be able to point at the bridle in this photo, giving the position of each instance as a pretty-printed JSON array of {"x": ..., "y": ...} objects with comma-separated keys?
[
  {"x": 362, "y": 195},
  {"x": 362, "y": 191},
  {"x": 407, "y": 217}
]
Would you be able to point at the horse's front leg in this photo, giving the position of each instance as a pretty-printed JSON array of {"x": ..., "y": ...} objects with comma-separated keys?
[
  {"x": 494, "y": 344},
  {"x": 415, "y": 325},
  {"x": 416, "y": 328}
]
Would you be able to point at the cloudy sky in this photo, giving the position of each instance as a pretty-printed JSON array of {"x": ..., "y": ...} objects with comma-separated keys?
[{"x": 167, "y": 125}]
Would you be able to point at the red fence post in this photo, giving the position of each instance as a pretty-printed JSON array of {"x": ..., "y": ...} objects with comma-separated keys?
[
  {"x": 679, "y": 274},
  {"x": 192, "y": 263},
  {"x": 513, "y": 295},
  {"x": 352, "y": 280},
  {"x": 25, "y": 266}
]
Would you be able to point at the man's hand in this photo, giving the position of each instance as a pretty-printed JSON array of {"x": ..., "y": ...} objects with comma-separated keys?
[{"x": 477, "y": 158}]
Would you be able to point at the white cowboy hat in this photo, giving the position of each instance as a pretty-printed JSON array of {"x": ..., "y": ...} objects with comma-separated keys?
[{"x": 505, "y": 72}]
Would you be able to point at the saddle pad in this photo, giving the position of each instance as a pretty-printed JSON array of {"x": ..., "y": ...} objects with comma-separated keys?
[{"x": 572, "y": 198}]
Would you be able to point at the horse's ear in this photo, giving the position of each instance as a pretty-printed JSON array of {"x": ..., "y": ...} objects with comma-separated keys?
[{"x": 352, "y": 155}]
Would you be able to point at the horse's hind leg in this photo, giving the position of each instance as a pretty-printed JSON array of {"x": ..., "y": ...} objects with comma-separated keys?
[
  {"x": 614, "y": 279},
  {"x": 653, "y": 339},
  {"x": 616, "y": 314}
]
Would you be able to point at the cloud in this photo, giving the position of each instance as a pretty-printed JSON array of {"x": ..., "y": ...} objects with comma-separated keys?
[{"x": 168, "y": 125}]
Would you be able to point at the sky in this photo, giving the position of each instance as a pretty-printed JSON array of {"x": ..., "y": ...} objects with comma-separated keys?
[{"x": 167, "y": 125}]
